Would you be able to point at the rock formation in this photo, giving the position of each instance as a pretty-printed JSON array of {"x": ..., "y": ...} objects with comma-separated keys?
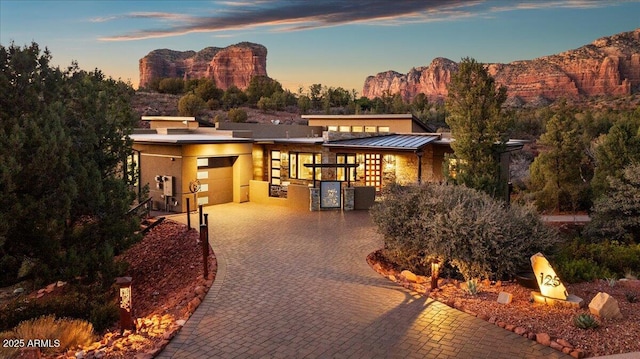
[
  {"x": 232, "y": 65},
  {"x": 608, "y": 66}
]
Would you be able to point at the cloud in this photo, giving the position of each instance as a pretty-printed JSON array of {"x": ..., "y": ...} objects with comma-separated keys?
[{"x": 300, "y": 15}]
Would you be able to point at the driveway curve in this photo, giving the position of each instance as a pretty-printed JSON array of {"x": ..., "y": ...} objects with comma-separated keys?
[{"x": 296, "y": 284}]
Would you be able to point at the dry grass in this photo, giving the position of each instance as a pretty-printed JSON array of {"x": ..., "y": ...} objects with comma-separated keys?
[{"x": 49, "y": 334}]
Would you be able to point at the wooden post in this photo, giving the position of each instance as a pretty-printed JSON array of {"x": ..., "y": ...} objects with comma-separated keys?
[
  {"x": 204, "y": 241},
  {"x": 188, "y": 215}
]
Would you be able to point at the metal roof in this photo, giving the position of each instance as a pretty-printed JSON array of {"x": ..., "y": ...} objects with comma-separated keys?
[{"x": 401, "y": 142}]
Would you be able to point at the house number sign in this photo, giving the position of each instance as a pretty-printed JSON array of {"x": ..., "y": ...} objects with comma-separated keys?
[{"x": 548, "y": 281}]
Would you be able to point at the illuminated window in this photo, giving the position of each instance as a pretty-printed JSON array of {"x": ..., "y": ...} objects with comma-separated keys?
[
  {"x": 345, "y": 128},
  {"x": 370, "y": 129},
  {"x": 293, "y": 165},
  {"x": 357, "y": 129},
  {"x": 373, "y": 170},
  {"x": 332, "y": 128},
  {"x": 345, "y": 158},
  {"x": 298, "y": 170},
  {"x": 383, "y": 129},
  {"x": 275, "y": 167}
]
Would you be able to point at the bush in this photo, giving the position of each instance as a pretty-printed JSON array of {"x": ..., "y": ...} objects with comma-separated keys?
[
  {"x": 616, "y": 215},
  {"x": 174, "y": 86},
  {"x": 456, "y": 225},
  {"x": 191, "y": 105},
  {"x": 63, "y": 334},
  {"x": 80, "y": 302},
  {"x": 237, "y": 115},
  {"x": 580, "y": 270},
  {"x": 580, "y": 260}
]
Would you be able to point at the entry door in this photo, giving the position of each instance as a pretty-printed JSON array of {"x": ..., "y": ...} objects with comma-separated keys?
[{"x": 373, "y": 170}]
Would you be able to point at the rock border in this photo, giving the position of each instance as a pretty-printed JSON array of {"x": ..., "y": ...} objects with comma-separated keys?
[{"x": 417, "y": 283}]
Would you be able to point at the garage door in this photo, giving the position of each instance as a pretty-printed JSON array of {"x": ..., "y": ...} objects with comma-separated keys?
[{"x": 216, "y": 180}]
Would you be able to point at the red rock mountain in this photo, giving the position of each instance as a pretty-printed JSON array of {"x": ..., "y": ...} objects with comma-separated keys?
[
  {"x": 608, "y": 66},
  {"x": 232, "y": 65}
]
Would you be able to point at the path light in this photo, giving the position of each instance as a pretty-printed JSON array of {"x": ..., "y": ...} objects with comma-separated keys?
[
  {"x": 435, "y": 271},
  {"x": 126, "y": 309}
]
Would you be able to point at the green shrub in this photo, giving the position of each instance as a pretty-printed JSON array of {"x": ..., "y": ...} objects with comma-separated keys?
[
  {"x": 463, "y": 227},
  {"x": 579, "y": 270},
  {"x": 191, "y": 105},
  {"x": 473, "y": 287},
  {"x": 237, "y": 115},
  {"x": 103, "y": 315},
  {"x": 585, "y": 321},
  {"x": 580, "y": 260}
]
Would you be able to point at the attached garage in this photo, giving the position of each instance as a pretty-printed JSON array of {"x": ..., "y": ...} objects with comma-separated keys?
[{"x": 175, "y": 162}]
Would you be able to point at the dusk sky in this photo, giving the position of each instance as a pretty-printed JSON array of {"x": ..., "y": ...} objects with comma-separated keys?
[{"x": 335, "y": 43}]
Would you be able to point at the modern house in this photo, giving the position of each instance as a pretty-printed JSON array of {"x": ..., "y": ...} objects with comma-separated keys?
[{"x": 340, "y": 161}]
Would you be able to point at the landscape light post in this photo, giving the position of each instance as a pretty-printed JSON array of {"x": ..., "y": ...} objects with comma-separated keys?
[
  {"x": 126, "y": 309},
  {"x": 204, "y": 241},
  {"x": 435, "y": 271}
]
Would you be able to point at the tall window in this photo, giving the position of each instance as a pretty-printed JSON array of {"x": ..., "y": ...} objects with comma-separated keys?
[
  {"x": 297, "y": 161},
  {"x": 373, "y": 170},
  {"x": 275, "y": 167},
  {"x": 344, "y": 174}
]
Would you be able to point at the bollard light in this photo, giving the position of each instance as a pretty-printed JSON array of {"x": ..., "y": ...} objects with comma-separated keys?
[
  {"x": 435, "y": 271},
  {"x": 126, "y": 308}
]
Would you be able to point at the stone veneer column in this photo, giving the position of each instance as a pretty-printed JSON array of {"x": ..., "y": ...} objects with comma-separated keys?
[
  {"x": 348, "y": 198},
  {"x": 314, "y": 199}
]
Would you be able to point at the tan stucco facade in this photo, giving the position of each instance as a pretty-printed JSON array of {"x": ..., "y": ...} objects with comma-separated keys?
[
  {"x": 399, "y": 123},
  {"x": 227, "y": 181}
]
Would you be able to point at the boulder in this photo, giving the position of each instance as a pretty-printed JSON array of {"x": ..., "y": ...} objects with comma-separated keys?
[
  {"x": 409, "y": 276},
  {"x": 505, "y": 298},
  {"x": 605, "y": 306}
]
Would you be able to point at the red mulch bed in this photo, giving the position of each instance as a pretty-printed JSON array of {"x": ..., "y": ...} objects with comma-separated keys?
[{"x": 611, "y": 337}]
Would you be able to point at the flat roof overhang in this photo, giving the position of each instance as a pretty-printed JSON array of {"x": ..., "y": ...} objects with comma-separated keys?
[{"x": 185, "y": 139}]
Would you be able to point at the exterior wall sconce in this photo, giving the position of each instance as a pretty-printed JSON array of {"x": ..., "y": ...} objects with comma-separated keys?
[
  {"x": 126, "y": 309},
  {"x": 435, "y": 272}
]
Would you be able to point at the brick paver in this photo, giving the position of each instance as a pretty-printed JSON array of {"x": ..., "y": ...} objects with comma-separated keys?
[{"x": 296, "y": 284}]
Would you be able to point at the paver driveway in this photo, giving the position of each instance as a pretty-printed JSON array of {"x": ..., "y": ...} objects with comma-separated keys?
[{"x": 296, "y": 284}]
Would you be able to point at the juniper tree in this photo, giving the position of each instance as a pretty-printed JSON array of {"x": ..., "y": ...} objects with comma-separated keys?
[
  {"x": 474, "y": 107},
  {"x": 63, "y": 140}
]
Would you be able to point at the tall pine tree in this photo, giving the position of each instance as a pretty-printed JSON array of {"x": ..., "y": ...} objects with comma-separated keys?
[{"x": 474, "y": 106}]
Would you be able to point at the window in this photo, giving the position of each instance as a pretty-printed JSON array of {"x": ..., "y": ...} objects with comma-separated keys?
[
  {"x": 345, "y": 128},
  {"x": 383, "y": 129},
  {"x": 344, "y": 174},
  {"x": 275, "y": 167},
  {"x": 297, "y": 161},
  {"x": 332, "y": 128},
  {"x": 370, "y": 129},
  {"x": 372, "y": 170},
  {"x": 357, "y": 129}
]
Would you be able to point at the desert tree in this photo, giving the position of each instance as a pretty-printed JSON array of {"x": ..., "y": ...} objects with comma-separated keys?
[
  {"x": 560, "y": 174},
  {"x": 615, "y": 150},
  {"x": 479, "y": 127},
  {"x": 616, "y": 215},
  {"x": 63, "y": 140}
]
